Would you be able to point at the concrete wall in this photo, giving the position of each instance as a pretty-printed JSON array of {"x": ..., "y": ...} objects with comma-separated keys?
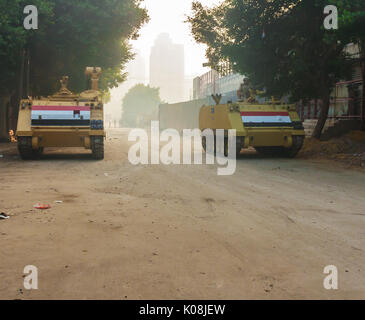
[
  {"x": 179, "y": 116},
  {"x": 332, "y": 128}
]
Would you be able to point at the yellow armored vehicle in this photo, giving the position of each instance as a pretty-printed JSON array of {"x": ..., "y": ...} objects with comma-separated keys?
[
  {"x": 63, "y": 120},
  {"x": 272, "y": 129}
]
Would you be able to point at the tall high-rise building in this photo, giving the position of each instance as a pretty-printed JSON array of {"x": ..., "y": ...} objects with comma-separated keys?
[{"x": 167, "y": 68}]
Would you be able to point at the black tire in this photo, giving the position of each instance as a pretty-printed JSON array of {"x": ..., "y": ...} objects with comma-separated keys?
[
  {"x": 295, "y": 148},
  {"x": 239, "y": 145},
  {"x": 97, "y": 147},
  {"x": 204, "y": 145},
  {"x": 25, "y": 148},
  {"x": 225, "y": 147},
  {"x": 219, "y": 146}
]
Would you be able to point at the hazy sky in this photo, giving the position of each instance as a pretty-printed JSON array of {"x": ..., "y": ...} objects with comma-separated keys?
[
  {"x": 169, "y": 16},
  {"x": 166, "y": 16}
]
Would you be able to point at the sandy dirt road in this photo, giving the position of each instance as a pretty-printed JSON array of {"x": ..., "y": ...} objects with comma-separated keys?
[{"x": 179, "y": 232}]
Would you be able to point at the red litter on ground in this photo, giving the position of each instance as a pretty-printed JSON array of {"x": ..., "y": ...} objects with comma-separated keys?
[{"x": 42, "y": 206}]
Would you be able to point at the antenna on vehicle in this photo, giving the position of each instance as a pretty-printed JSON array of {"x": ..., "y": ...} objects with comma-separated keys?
[{"x": 217, "y": 98}]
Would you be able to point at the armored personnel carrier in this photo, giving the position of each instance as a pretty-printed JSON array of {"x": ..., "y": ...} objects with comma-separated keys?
[
  {"x": 272, "y": 128},
  {"x": 64, "y": 119}
]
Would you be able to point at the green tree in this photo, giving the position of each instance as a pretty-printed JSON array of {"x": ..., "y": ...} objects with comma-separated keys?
[
  {"x": 280, "y": 45},
  {"x": 140, "y": 102},
  {"x": 72, "y": 35},
  {"x": 14, "y": 38}
]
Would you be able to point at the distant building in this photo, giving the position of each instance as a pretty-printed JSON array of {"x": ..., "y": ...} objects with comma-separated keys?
[
  {"x": 167, "y": 68},
  {"x": 224, "y": 82}
]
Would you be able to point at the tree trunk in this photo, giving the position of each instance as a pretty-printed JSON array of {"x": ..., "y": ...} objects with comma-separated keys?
[
  {"x": 363, "y": 93},
  {"x": 323, "y": 114},
  {"x": 21, "y": 77},
  {"x": 4, "y": 126}
]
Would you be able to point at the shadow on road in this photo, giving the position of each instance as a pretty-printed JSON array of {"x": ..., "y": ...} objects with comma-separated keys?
[
  {"x": 9, "y": 152},
  {"x": 66, "y": 156},
  {"x": 253, "y": 155}
]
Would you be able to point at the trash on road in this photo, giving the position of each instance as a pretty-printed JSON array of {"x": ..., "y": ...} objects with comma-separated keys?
[
  {"x": 1, "y": 156},
  {"x": 105, "y": 174},
  {"x": 3, "y": 216},
  {"x": 42, "y": 206},
  {"x": 59, "y": 201}
]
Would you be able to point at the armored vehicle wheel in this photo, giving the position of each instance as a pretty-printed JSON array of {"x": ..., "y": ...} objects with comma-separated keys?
[
  {"x": 97, "y": 147},
  {"x": 239, "y": 144},
  {"x": 25, "y": 148},
  {"x": 295, "y": 148},
  {"x": 226, "y": 147},
  {"x": 204, "y": 145},
  {"x": 223, "y": 148}
]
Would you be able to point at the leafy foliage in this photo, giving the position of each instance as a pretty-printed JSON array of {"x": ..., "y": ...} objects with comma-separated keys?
[
  {"x": 351, "y": 21},
  {"x": 13, "y": 37},
  {"x": 280, "y": 45},
  {"x": 140, "y": 100},
  {"x": 72, "y": 35}
]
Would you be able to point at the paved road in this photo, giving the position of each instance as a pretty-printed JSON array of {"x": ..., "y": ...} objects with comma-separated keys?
[{"x": 179, "y": 232}]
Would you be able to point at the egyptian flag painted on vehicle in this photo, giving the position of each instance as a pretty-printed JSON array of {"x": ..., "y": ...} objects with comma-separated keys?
[
  {"x": 265, "y": 118},
  {"x": 60, "y": 115}
]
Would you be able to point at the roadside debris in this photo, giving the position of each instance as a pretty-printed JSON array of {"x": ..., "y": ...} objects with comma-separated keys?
[
  {"x": 1, "y": 156},
  {"x": 59, "y": 201},
  {"x": 348, "y": 149},
  {"x": 3, "y": 216},
  {"x": 42, "y": 206}
]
